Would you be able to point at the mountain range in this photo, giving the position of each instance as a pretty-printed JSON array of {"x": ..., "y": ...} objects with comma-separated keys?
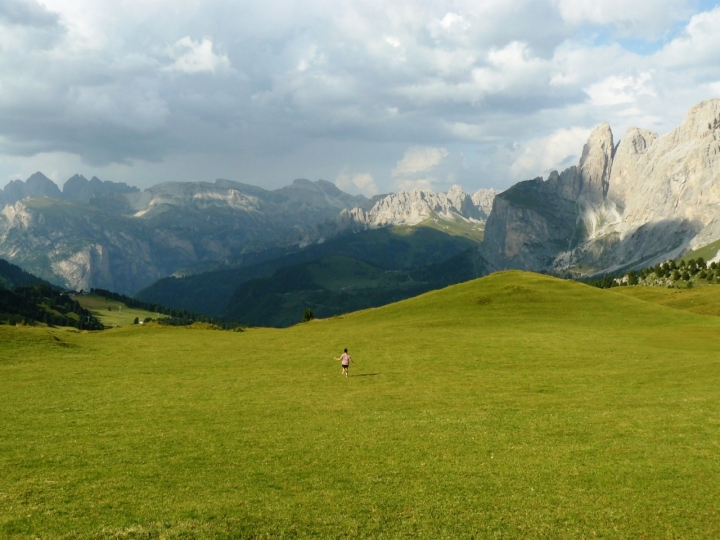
[{"x": 96, "y": 234}]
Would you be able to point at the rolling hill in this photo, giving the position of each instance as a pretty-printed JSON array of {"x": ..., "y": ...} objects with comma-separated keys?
[{"x": 517, "y": 405}]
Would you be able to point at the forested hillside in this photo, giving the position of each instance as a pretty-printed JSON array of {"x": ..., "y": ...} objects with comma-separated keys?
[
  {"x": 391, "y": 248},
  {"x": 44, "y": 304}
]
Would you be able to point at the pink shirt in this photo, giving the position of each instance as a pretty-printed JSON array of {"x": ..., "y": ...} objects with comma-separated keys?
[{"x": 345, "y": 359}]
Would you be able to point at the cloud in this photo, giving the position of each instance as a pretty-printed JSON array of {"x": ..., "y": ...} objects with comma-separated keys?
[
  {"x": 409, "y": 92},
  {"x": 428, "y": 167},
  {"x": 642, "y": 18},
  {"x": 424, "y": 184},
  {"x": 621, "y": 90},
  {"x": 419, "y": 159},
  {"x": 27, "y": 13},
  {"x": 356, "y": 183},
  {"x": 196, "y": 57},
  {"x": 698, "y": 45},
  {"x": 555, "y": 152}
]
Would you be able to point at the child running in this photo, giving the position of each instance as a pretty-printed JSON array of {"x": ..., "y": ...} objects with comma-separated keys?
[{"x": 345, "y": 360}]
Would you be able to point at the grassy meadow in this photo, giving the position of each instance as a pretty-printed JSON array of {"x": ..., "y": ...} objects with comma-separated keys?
[
  {"x": 703, "y": 300},
  {"x": 514, "y": 406},
  {"x": 111, "y": 312}
]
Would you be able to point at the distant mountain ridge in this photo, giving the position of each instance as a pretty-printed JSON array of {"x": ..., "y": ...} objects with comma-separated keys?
[
  {"x": 97, "y": 234},
  {"x": 77, "y": 188}
]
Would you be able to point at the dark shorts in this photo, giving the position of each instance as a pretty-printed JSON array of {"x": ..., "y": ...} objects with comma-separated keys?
[{"x": 345, "y": 366}]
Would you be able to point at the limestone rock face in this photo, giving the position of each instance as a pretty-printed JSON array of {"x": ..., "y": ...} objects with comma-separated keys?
[
  {"x": 483, "y": 199},
  {"x": 633, "y": 146},
  {"x": 530, "y": 224},
  {"x": 413, "y": 207},
  {"x": 596, "y": 163},
  {"x": 650, "y": 199}
]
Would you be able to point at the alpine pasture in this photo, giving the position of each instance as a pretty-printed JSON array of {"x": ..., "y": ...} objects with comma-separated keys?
[{"x": 514, "y": 406}]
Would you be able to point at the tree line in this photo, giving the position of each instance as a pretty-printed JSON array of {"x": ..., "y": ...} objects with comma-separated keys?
[{"x": 667, "y": 273}]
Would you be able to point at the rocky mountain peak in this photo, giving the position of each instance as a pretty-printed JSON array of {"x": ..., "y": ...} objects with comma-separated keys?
[
  {"x": 37, "y": 185},
  {"x": 701, "y": 121},
  {"x": 596, "y": 163}
]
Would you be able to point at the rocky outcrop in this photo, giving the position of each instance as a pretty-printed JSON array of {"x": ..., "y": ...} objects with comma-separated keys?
[
  {"x": 483, "y": 200},
  {"x": 649, "y": 199},
  {"x": 533, "y": 222},
  {"x": 414, "y": 207},
  {"x": 530, "y": 224}
]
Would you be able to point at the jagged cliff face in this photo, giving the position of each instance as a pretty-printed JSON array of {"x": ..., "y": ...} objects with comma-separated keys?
[
  {"x": 533, "y": 222},
  {"x": 413, "y": 207},
  {"x": 649, "y": 199}
]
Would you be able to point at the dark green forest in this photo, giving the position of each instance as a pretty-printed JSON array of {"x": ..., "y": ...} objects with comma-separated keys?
[{"x": 44, "y": 304}]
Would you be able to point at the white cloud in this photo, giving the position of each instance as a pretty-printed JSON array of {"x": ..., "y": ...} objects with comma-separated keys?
[
  {"x": 418, "y": 160},
  {"x": 424, "y": 184},
  {"x": 617, "y": 90},
  {"x": 356, "y": 183},
  {"x": 639, "y": 17},
  {"x": 554, "y": 152},
  {"x": 428, "y": 167},
  {"x": 698, "y": 45},
  {"x": 196, "y": 57}
]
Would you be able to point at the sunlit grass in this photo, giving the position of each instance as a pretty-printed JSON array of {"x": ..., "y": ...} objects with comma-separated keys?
[
  {"x": 111, "y": 312},
  {"x": 513, "y": 406}
]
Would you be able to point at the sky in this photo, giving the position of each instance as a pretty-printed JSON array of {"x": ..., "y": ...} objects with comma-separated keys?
[{"x": 376, "y": 96}]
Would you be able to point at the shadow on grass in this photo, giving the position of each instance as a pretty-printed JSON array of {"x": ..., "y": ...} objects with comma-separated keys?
[{"x": 365, "y": 375}]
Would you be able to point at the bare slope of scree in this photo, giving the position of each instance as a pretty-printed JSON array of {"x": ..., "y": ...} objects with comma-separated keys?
[{"x": 517, "y": 405}]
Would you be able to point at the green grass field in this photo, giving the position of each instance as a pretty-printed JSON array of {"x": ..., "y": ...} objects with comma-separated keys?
[
  {"x": 118, "y": 314},
  {"x": 515, "y": 406},
  {"x": 701, "y": 300}
]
